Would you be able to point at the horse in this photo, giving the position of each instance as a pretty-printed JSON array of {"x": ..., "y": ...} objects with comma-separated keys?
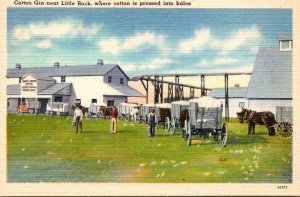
[
  {"x": 240, "y": 115},
  {"x": 265, "y": 118},
  {"x": 105, "y": 111}
]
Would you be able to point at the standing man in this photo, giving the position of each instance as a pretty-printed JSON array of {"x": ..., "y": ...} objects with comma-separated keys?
[
  {"x": 152, "y": 121},
  {"x": 78, "y": 119},
  {"x": 114, "y": 115}
]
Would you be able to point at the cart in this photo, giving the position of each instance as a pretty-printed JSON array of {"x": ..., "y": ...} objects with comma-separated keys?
[
  {"x": 29, "y": 106},
  {"x": 163, "y": 114},
  {"x": 58, "y": 108},
  {"x": 143, "y": 112},
  {"x": 125, "y": 109},
  {"x": 179, "y": 113},
  {"x": 205, "y": 120},
  {"x": 94, "y": 110},
  {"x": 284, "y": 119}
]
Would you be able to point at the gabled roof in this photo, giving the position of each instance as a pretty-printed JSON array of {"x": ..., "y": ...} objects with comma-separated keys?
[
  {"x": 13, "y": 89},
  {"x": 272, "y": 75},
  {"x": 285, "y": 37},
  {"x": 61, "y": 88},
  {"x": 232, "y": 92},
  {"x": 39, "y": 77},
  {"x": 117, "y": 90},
  {"x": 82, "y": 70}
]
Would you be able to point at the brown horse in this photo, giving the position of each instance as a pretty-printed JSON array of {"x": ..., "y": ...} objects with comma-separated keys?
[
  {"x": 105, "y": 111},
  {"x": 261, "y": 118},
  {"x": 241, "y": 115}
]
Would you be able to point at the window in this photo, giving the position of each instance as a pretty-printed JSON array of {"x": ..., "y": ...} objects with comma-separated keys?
[
  {"x": 285, "y": 44},
  {"x": 20, "y": 79},
  {"x": 58, "y": 99},
  {"x": 77, "y": 102},
  {"x": 94, "y": 101},
  {"x": 110, "y": 103},
  {"x": 109, "y": 79},
  {"x": 63, "y": 79},
  {"x": 121, "y": 81},
  {"x": 241, "y": 104}
]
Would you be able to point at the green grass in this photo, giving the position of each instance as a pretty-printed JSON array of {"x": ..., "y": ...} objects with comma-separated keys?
[{"x": 46, "y": 149}]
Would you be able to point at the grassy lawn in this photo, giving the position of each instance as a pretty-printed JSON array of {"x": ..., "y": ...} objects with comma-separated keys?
[{"x": 46, "y": 149}]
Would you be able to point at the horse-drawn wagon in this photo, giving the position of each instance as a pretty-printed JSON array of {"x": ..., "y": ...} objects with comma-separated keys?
[
  {"x": 163, "y": 114},
  {"x": 94, "y": 110},
  {"x": 58, "y": 108},
  {"x": 284, "y": 119},
  {"x": 179, "y": 115},
  {"x": 143, "y": 112},
  {"x": 205, "y": 119},
  {"x": 29, "y": 106},
  {"x": 125, "y": 110}
]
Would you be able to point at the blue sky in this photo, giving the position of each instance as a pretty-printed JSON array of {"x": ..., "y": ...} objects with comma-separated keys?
[{"x": 144, "y": 41}]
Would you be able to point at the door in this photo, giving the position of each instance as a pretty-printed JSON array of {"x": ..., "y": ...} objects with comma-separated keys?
[{"x": 43, "y": 105}]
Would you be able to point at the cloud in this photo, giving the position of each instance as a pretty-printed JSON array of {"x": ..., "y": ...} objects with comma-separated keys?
[
  {"x": 55, "y": 29},
  {"x": 44, "y": 44},
  {"x": 111, "y": 46},
  {"x": 133, "y": 43},
  {"x": 201, "y": 36},
  {"x": 218, "y": 61},
  {"x": 237, "y": 39},
  {"x": 154, "y": 64}
]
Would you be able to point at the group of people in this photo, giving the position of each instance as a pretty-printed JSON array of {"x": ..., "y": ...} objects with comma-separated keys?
[{"x": 78, "y": 115}]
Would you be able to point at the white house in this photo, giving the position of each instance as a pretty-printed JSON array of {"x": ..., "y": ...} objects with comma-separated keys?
[
  {"x": 104, "y": 84},
  {"x": 271, "y": 81},
  {"x": 236, "y": 99}
]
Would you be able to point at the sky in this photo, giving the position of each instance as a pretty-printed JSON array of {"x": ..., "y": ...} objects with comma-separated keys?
[{"x": 144, "y": 41}]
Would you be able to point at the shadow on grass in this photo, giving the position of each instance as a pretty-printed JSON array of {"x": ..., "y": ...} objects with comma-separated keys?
[{"x": 247, "y": 139}]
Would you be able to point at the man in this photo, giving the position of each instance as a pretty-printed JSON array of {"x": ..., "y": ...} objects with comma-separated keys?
[
  {"x": 114, "y": 114},
  {"x": 152, "y": 121},
  {"x": 78, "y": 119}
]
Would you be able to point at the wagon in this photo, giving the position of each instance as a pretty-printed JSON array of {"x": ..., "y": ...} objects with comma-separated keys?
[
  {"x": 125, "y": 109},
  {"x": 143, "y": 112},
  {"x": 29, "y": 106},
  {"x": 179, "y": 113},
  {"x": 163, "y": 114},
  {"x": 205, "y": 119},
  {"x": 284, "y": 119},
  {"x": 59, "y": 108},
  {"x": 94, "y": 110}
]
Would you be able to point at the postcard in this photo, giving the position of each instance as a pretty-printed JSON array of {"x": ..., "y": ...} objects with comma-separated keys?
[{"x": 149, "y": 98}]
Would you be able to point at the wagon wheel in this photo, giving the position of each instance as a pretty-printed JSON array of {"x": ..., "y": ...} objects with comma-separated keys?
[
  {"x": 285, "y": 129},
  {"x": 167, "y": 124},
  {"x": 184, "y": 129},
  {"x": 223, "y": 139},
  {"x": 172, "y": 129},
  {"x": 188, "y": 136}
]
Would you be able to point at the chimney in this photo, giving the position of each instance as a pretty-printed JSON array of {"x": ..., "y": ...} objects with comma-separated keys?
[
  {"x": 100, "y": 62},
  {"x": 18, "y": 66},
  {"x": 56, "y": 64}
]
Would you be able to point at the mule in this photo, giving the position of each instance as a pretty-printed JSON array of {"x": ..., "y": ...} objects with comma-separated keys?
[
  {"x": 105, "y": 111},
  {"x": 240, "y": 115},
  {"x": 265, "y": 118},
  {"x": 85, "y": 110}
]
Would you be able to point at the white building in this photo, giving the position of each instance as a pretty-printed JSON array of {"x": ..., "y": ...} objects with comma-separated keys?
[
  {"x": 104, "y": 84},
  {"x": 271, "y": 81},
  {"x": 270, "y": 84},
  {"x": 236, "y": 99}
]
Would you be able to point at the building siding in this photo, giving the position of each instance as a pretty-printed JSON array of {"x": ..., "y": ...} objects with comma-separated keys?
[{"x": 268, "y": 104}]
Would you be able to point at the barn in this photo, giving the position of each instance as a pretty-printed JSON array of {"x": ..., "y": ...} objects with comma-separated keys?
[
  {"x": 271, "y": 81},
  {"x": 102, "y": 84}
]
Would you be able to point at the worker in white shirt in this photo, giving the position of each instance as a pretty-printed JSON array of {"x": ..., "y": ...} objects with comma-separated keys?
[{"x": 78, "y": 119}]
